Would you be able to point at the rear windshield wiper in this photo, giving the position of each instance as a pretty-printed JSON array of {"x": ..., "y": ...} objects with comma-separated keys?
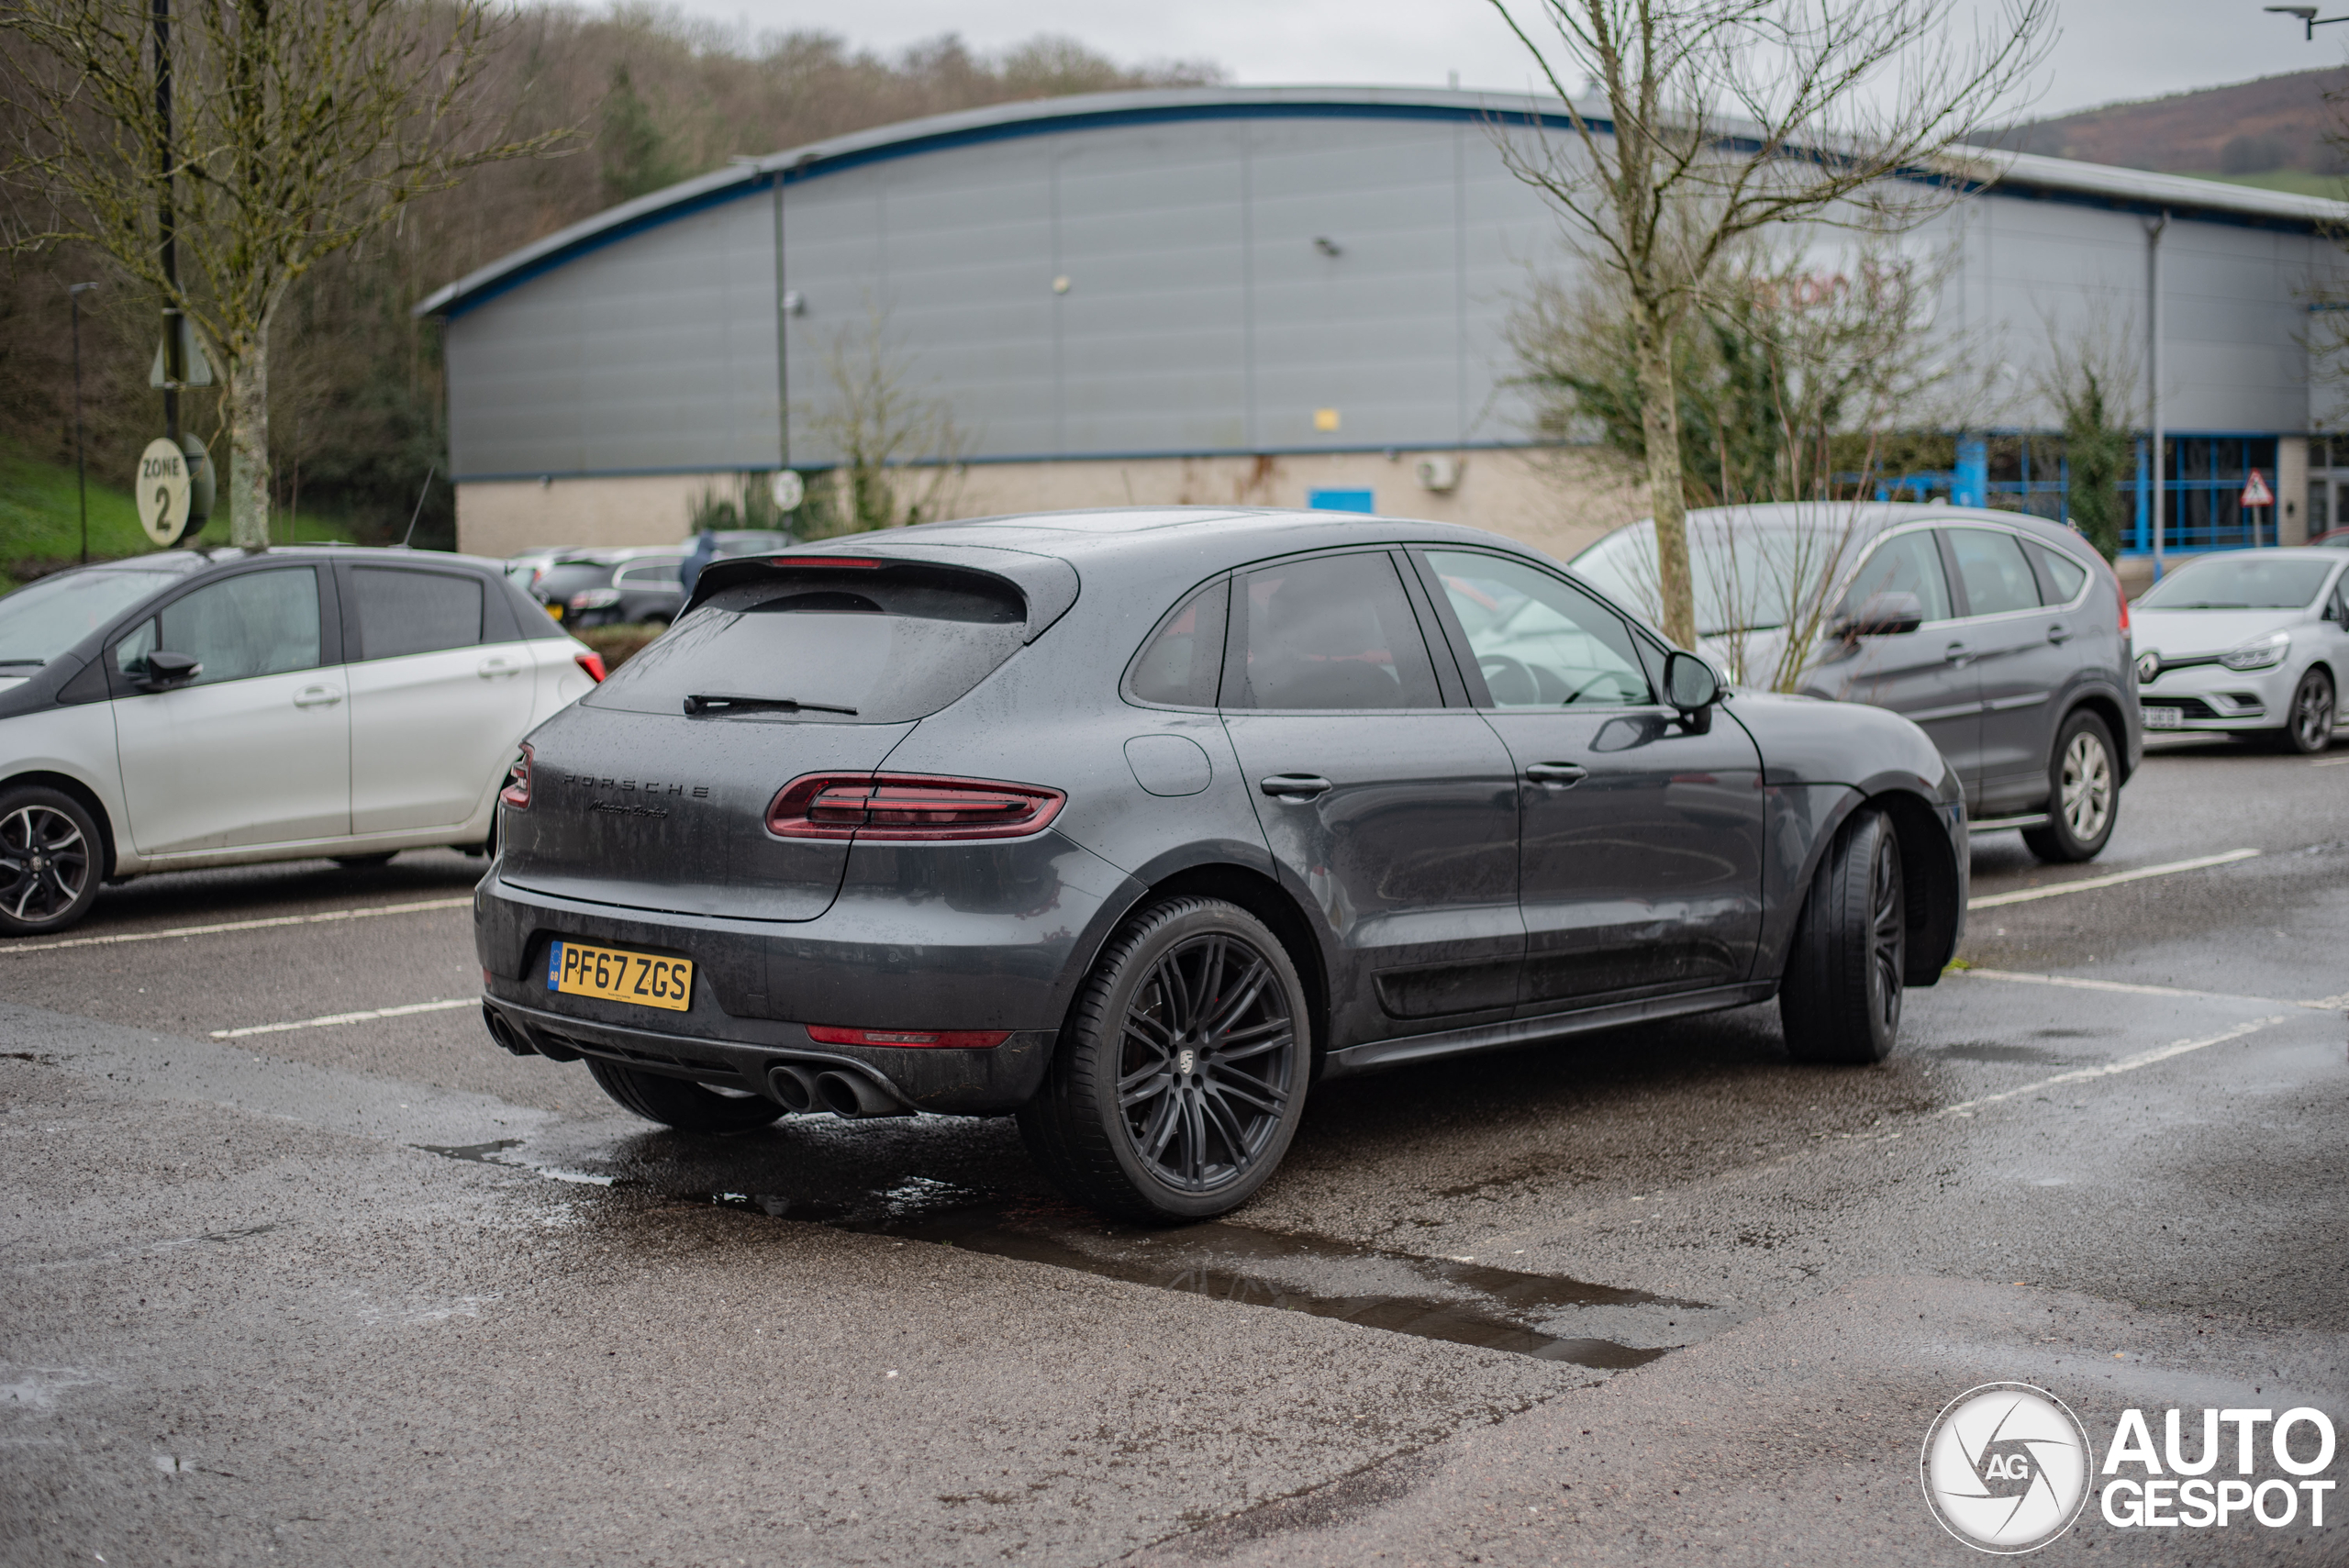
[
  {"x": 23, "y": 660},
  {"x": 728, "y": 702}
]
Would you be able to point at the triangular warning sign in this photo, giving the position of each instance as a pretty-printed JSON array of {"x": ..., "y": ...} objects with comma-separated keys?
[
  {"x": 197, "y": 369},
  {"x": 2255, "y": 492}
]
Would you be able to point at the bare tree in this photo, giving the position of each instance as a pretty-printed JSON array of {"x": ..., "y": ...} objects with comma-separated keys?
[
  {"x": 1721, "y": 117},
  {"x": 1795, "y": 371},
  {"x": 300, "y": 129},
  {"x": 900, "y": 456}
]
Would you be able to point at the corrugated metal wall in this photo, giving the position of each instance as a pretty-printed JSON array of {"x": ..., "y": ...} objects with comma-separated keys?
[{"x": 1202, "y": 316}]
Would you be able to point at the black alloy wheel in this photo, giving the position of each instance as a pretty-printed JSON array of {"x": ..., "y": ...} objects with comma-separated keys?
[
  {"x": 2309, "y": 728},
  {"x": 1839, "y": 999},
  {"x": 1180, "y": 1075},
  {"x": 51, "y": 860},
  {"x": 2083, "y": 793},
  {"x": 688, "y": 1107}
]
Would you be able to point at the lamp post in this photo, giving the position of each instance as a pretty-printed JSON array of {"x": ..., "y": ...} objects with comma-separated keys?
[
  {"x": 81, "y": 469},
  {"x": 2306, "y": 16}
]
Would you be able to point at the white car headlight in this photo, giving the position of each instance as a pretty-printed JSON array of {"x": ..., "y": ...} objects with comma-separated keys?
[{"x": 2259, "y": 653}]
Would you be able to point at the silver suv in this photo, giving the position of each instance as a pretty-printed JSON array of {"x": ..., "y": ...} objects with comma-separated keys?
[{"x": 2006, "y": 638}]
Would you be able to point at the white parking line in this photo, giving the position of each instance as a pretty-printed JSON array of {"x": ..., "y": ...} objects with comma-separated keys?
[
  {"x": 330, "y": 915},
  {"x": 442, "y": 1006},
  {"x": 2077, "y": 984},
  {"x": 2025, "y": 896},
  {"x": 2331, "y": 762},
  {"x": 2126, "y": 1065},
  {"x": 2321, "y": 1004}
]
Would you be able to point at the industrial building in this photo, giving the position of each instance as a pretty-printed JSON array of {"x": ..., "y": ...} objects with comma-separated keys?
[{"x": 1286, "y": 296}]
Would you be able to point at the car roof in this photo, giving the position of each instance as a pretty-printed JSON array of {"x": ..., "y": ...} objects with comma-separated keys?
[
  {"x": 204, "y": 557},
  {"x": 1193, "y": 534}
]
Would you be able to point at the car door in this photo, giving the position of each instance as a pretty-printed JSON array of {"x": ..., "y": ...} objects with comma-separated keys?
[
  {"x": 256, "y": 749},
  {"x": 2021, "y": 659},
  {"x": 1391, "y": 814},
  {"x": 1927, "y": 676},
  {"x": 439, "y": 695},
  {"x": 1640, "y": 859}
]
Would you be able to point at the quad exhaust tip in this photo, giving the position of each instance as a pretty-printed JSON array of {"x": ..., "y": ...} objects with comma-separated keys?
[{"x": 849, "y": 1095}]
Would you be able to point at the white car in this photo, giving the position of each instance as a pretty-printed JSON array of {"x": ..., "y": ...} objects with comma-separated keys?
[
  {"x": 2250, "y": 642},
  {"x": 217, "y": 707}
]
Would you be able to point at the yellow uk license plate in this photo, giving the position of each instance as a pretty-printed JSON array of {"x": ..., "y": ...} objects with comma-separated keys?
[{"x": 577, "y": 970}]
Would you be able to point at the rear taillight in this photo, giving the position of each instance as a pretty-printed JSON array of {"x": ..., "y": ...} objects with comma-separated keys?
[
  {"x": 959, "y": 1039},
  {"x": 904, "y": 807},
  {"x": 592, "y": 663},
  {"x": 516, "y": 793}
]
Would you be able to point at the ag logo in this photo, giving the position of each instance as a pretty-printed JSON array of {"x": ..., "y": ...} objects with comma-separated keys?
[{"x": 2006, "y": 1468}]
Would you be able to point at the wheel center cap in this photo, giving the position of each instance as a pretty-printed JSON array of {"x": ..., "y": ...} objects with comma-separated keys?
[{"x": 1185, "y": 1060}]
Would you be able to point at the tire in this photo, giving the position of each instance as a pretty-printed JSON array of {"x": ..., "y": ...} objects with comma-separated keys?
[
  {"x": 2083, "y": 793},
  {"x": 52, "y": 861},
  {"x": 673, "y": 1102},
  {"x": 1205, "y": 1125},
  {"x": 365, "y": 863},
  {"x": 2308, "y": 728},
  {"x": 1839, "y": 998}
]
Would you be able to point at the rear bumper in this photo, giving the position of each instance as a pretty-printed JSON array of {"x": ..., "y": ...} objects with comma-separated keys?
[{"x": 999, "y": 943}]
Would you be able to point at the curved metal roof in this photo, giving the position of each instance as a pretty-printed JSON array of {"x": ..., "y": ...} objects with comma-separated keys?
[{"x": 2020, "y": 174}]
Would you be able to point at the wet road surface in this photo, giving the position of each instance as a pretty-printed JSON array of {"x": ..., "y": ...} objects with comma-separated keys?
[{"x": 371, "y": 1290}]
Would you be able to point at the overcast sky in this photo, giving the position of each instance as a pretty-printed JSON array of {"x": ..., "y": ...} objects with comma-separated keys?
[{"x": 2108, "y": 49}]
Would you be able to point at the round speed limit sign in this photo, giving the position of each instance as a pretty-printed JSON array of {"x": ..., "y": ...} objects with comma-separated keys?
[{"x": 163, "y": 491}]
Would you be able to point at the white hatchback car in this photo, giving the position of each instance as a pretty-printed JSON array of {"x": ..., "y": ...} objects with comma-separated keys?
[
  {"x": 216, "y": 707},
  {"x": 2249, "y": 642}
]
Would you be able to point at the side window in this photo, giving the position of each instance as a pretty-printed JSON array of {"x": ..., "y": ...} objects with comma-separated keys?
[
  {"x": 1180, "y": 666},
  {"x": 401, "y": 611},
  {"x": 1905, "y": 563},
  {"x": 261, "y": 623},
  {"x": 660, "y": 573},
  {"x": 1335, "y": 632},
  {"x": 1995, "y": 570},
  {"x": 2068, "y": 574},
  {"x": 1539, "y": 642}
]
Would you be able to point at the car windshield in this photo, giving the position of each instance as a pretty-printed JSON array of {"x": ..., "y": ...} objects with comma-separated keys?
[
  {"x": 835, "y": 646},
  {"x": 2245, "y": 582},
  {"x": 1750, "y": 574},
  {"x": 42, "y": 619}
]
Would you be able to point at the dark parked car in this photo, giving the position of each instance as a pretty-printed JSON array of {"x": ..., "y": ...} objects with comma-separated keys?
[
  {"x": 1138, "y": 824},
  {"x": 617, "y": 587},
  {"x": 2005, "y": 636}
]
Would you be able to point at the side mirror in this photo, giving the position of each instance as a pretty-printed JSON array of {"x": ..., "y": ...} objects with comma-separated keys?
[
  {"x": 166, "y": 670},
  {"x": 1690, "y": 685},
  {"x": 1883, "y": 615}
]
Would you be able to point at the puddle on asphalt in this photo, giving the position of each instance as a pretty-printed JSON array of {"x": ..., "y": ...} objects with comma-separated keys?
[{"x": 1402, "y": 1293}]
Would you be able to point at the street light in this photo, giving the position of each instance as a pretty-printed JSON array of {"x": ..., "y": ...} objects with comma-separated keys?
[
  {"x": 2307, "y": 17},
  {"x": 74, "y": 292}
]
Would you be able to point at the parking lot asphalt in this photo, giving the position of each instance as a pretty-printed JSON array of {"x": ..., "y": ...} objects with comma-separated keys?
[{"x": 372, "y": 1291}]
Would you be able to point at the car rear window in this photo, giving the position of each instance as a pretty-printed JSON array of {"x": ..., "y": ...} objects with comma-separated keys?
[
  {"x": 847, "y": 645},
  {"x": 402, "y": 612}
]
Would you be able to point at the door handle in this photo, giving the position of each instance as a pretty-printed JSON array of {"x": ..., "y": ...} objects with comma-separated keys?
[
  {"x": 493, "y": 668},
  {"x": 1565, "y": 773},
  {"x": 317, "y": 696},
  {"x": 1956, "y": 653},
  {"x": 1295, "y": 786},
  {"x": 2059, "y": 632}
]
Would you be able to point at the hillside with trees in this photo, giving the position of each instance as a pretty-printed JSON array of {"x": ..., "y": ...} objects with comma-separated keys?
[
  {"x": 645, "y": 98},
  {"x": 2281, "y": 132}
]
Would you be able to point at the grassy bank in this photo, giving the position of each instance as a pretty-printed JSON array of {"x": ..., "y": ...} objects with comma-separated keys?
[{"x": 40, "y": 519}]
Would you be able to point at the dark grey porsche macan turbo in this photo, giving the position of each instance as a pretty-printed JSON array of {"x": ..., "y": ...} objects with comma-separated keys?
[{"x": 1138, "y": 824}]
